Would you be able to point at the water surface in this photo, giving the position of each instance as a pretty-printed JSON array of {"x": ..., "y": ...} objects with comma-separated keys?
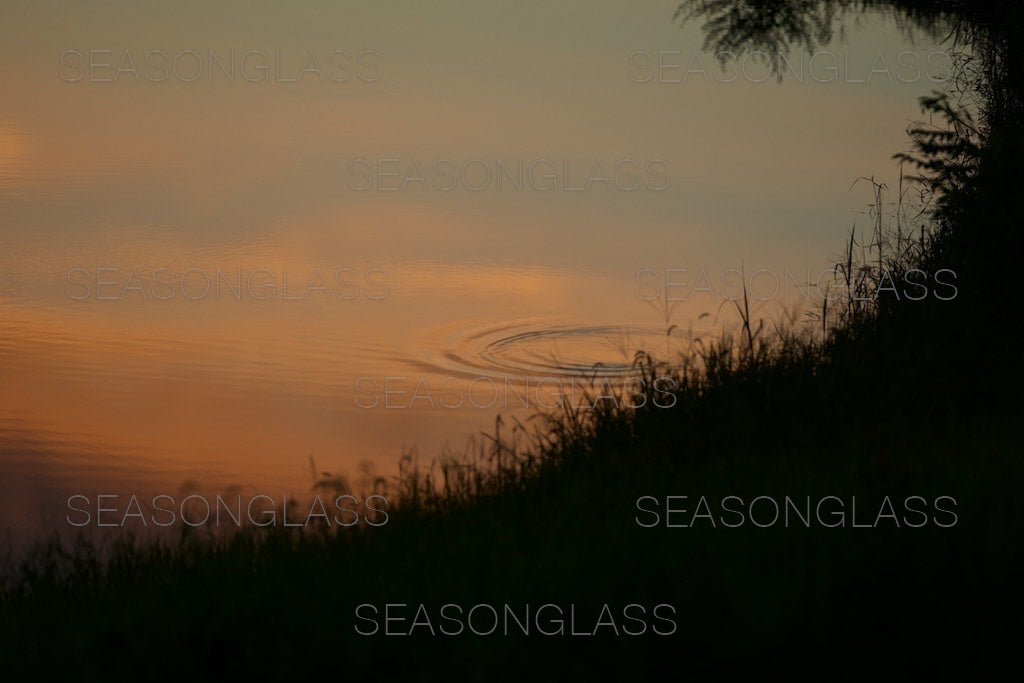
[{"x": 194, "y": 292}]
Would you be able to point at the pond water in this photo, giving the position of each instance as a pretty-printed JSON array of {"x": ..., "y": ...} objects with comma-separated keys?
[{"x": 234, "y": 238}]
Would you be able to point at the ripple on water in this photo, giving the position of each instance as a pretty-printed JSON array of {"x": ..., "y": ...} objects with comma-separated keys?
[{"x": 535, "y": 350}]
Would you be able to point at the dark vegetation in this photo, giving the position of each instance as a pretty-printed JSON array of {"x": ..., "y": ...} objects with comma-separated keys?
[{"x": 882, "y": 396}]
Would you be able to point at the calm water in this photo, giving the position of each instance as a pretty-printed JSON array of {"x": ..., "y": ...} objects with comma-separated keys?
[{"x": 196, "y": 291}]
